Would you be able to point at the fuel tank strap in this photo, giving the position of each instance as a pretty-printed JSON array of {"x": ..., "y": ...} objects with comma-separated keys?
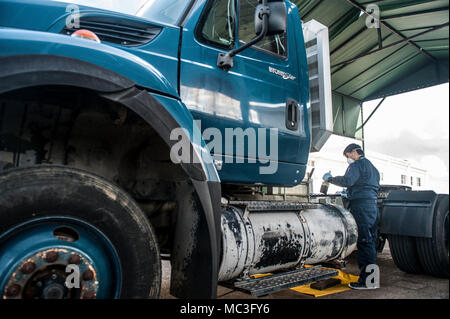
[{"x": 272, "y": 206}]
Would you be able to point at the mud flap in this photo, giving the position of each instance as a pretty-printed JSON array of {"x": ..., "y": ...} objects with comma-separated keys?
[
  {"x": 195, "y": 253},
  {"x": 408, "y": 213}
]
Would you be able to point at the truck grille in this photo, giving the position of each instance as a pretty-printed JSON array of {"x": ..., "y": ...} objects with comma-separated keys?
[{"x": 117, "y": 30}]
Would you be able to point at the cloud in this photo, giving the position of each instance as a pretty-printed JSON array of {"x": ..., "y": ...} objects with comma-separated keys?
[
  {"x": 412, "y": 125},
  {"x": 412, "y": 146},
  {"x": 438, "y": 173}
]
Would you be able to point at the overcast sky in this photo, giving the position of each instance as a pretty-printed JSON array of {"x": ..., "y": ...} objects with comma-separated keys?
[{"x": 413, "y": 126}]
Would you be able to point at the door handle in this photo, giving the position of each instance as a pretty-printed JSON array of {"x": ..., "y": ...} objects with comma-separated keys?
[{"x": 291, "y": 114}]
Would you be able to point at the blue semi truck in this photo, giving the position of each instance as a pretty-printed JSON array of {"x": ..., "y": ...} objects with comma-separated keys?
[{"x": 152, "y": 129}]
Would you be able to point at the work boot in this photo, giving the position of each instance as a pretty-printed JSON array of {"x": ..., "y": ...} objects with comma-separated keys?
[{"x": 361, "y": 286}]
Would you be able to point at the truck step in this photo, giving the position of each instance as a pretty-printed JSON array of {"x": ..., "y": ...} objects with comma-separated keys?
[{"x": 268, "y": 284}]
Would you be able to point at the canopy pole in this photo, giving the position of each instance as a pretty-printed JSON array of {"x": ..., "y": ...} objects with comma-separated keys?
[
  {"x": 362, "y": 129},
  {"x": 373, "y": 112}
]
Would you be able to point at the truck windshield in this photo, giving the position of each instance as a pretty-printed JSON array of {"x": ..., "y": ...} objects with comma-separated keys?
[{"x": 167, "y": 11}]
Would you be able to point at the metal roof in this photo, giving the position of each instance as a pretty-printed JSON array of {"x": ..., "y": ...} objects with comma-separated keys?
[{"x": 408, "y": 51}]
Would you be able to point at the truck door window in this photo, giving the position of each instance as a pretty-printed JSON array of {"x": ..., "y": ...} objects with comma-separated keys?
[
  {"x": 274, "y": 43},
  {"x": 218, "y": 23}
]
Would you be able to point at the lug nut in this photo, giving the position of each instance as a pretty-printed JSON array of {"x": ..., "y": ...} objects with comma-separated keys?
[
  {"x": 74, "y": 259},
  {"x": 54, "y": 276},
  {"x": 28, "y": 268},
  {"x": 88, "y": 275},
  {"x": 13, "y": 290},
  {"x": 51, "y": 256}
]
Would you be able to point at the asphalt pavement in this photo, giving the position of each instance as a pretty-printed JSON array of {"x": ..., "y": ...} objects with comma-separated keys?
[{"x": 394, "y": 284}]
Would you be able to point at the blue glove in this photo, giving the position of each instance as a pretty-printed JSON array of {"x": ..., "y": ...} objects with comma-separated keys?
[
  {"x": 326, "y": 176},
  {"x": 344, "y": 193}
]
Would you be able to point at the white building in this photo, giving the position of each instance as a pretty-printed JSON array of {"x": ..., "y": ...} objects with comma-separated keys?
[{"x": 393, "y": 171}]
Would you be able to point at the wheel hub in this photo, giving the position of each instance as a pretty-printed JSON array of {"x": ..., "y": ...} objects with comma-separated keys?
[
  {"x": 58, "y": 258},
  {"x": 46, "y": 275}
]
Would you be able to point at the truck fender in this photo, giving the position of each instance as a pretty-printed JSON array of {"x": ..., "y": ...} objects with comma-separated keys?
[
  {"x": 408, "y": 213},
  {"x": 25, "y": 42},
  {"x": 200, "y": 217}
]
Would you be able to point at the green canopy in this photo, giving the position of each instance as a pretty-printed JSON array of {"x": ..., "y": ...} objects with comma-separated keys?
[{"x": 404, "y": 50}]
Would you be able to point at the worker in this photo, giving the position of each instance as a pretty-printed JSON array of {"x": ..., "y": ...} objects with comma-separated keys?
[{"x": 362, "y": 181}]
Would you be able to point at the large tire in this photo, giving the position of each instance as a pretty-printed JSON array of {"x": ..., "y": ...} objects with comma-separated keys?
[
  {"x": 54, "y": 192},
  {"x": 433, "y": 252},
  {"x": 404, "y": 253}
]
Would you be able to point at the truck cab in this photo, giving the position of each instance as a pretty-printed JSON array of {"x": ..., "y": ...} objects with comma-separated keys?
[{"x": 267, "y": 88}]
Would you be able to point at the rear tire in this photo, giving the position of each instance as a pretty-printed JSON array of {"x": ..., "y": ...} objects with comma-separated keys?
[
  {"x": 404, "y": 253},
  {"x": 433, "y": 252},
  {"x": 41, "y": 197}
]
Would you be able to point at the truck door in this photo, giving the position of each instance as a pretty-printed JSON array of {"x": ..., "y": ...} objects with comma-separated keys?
[{"x": 260, "y": 91}]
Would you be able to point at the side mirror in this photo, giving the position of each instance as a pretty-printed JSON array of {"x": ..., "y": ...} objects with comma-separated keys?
[
  {"x": 270, "y": 19},
  {"x": 277, "y": 18}
]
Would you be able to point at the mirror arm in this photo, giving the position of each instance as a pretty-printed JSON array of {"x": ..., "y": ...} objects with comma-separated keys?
[{"x": 225, "y": 60}]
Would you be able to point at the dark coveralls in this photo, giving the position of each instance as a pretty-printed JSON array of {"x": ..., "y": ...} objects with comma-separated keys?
[{"x": 362, "y": 180}]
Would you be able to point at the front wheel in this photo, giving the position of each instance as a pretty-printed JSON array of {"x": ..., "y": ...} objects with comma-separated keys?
[{"x": 66, "y": 233}]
